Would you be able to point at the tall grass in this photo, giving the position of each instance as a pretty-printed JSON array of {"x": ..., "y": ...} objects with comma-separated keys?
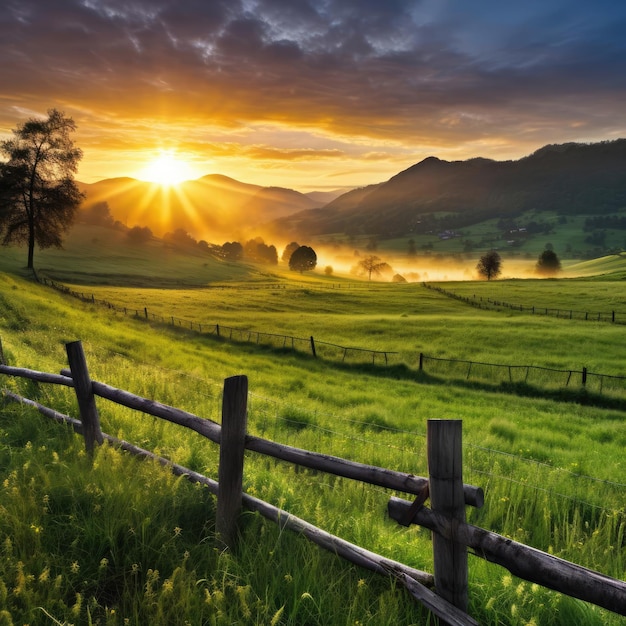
[
  {"x": 553, "y": 473},
  {"x": 118, "y": 541}
]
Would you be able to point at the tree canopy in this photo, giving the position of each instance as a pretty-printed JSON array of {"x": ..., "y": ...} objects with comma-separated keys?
[
  {"x": 303, "y": 259},
  {"x": 289, "y": 250},
  {"x": 257, "y": 250},
  {"x": 232, "y": 251},
  {"x": 489, "y": 265},
  {"x": 548, "y": 263},
  {"x": 372, "y": 265},
  {"x": 38, "y": 196},
  {"x": 139, "y": 235}
]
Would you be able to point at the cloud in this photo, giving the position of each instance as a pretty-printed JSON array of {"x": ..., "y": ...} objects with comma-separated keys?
[{"x": 414, "y": 73}]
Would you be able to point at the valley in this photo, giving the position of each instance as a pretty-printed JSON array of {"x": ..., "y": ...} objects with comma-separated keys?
[{"x": 552, "y": 467}]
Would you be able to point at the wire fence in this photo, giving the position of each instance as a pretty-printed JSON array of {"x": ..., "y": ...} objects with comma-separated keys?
[
  {"x": 286, "y": 421},
  {"x": 613, "y": 317},
  {"x": 370, "y": 441},
  {"x": 322, "y": 349},
  {"x": 531, "y": 376}
]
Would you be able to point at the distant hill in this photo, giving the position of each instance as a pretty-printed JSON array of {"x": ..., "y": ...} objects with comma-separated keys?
[
  {"x": 324, "y": 197},
  {"x": 214, "y": 207},
  {"x": 569, "y": 179},
  {"x": 432, "y": 195}
]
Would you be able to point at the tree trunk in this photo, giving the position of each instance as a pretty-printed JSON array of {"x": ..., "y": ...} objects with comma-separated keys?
[
  {"x": 31, "y": 242},
  {"x": 31, "y": 252}
]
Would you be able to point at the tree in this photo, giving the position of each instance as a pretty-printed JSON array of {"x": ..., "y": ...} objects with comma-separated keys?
[
  {"x": 372, "y": 265},
  {"x": 548, "y": 263},
  {"x": 289, "y": 250},
  {"x": 39, "y": 199},
  {"x": 232, "y": 251},
  {"x": 303, "y": 259},
  {"x": 489, "y": 265},
  {"x": 251, "y": 248},
  {"x": 98, "y": 214},
  {"x": 180, "y": 238},
  {"x": 267, "y": 254},
  {"x": 139, "y": 235}
]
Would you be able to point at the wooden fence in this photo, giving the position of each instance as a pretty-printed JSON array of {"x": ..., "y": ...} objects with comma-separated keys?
[
  {"x": 614, "y": 317},
  {"x": 531, "y": 375},
  {"x": 248, "y": 335},
  {"x": 444, "y": 486}
]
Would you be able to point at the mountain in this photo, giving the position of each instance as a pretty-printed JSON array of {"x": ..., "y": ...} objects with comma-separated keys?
[
  {"x": 570, "y": 179},
  {"x": 211, "y": 208},
  {"x": 432, "y": 195},
  {"x": 324, "y": 197}
]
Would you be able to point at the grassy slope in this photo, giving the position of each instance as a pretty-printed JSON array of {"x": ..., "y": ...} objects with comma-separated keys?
[
  {"x": 354, "y": 407},
  {"x": 567, "y": 237},
  {"x": 94, "y": 254}
]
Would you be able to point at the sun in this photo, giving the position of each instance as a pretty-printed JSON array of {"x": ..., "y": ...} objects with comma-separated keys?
[{"x": 167, "y": 169}]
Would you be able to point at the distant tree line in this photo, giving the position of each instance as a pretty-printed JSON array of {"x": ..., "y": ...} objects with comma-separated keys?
[
  {"x": 299, "y": 258},
  {"x": 253, "y": 250}
]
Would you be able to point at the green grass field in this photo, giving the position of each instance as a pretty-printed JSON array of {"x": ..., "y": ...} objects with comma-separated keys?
[{"x": 83, "y": 545}]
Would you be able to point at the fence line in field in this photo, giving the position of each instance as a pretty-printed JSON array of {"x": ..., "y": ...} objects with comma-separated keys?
[
  {"x": 614, "y": 317},
  {"x": 531, "y": 375},
  {"x": 444, "y": 487},
  {"x": 473, "y": 465},
  {"x": 380, "y": 427},
  {"x": 308, "y": 344},
  {"x": 603, "y": 384}
]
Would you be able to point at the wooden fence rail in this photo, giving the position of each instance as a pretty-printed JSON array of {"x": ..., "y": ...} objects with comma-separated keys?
[
  {"x": 417, "y": 582},
  {"x": 445, "y": 487},
  {"x": 381, "y": 477},
  {"x": 522, "y": 561}
]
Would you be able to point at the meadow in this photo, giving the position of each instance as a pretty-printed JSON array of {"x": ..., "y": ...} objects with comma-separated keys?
[{"x": 552, "y": 470}]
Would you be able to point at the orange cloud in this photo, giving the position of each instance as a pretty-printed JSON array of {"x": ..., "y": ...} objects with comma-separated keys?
[{"x": 285, "y": 93}]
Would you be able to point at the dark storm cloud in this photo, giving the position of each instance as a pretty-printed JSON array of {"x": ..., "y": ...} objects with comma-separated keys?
[{"x": 399, "y": 68}]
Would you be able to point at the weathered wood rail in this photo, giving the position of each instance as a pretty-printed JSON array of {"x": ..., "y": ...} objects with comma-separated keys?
[{"x": 448, "y": 495}]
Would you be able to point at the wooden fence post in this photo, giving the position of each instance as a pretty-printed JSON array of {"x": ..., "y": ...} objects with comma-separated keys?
[
  {"x": 2, "y": 359},
  {"x": 445, "y": 468},
  {"x": 584, "y": 376},
  {"x": 421, "y": 366},
  {"x": 313, "y": 346},
  {"x": 232, "y": 446},
  {"x": 84, "y": 394}
]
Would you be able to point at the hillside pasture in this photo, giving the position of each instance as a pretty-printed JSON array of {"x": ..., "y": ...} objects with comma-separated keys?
[
  {"x": 405, "y": 319},
  {"x": 553, "y": 470}
]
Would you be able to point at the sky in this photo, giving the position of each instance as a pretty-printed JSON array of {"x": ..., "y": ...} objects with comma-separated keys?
[{"x": 313, "y": 94}]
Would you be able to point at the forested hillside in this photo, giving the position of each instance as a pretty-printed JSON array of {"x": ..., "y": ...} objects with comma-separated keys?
[{"x": 570, "y": 179}]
